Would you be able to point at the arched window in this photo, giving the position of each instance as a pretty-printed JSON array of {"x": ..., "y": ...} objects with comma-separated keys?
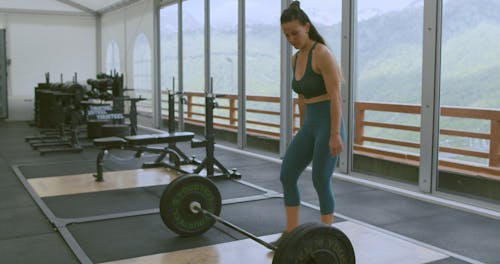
[
  {"x": 112, "y": 57},
  {"x": 142, "y": 67}
]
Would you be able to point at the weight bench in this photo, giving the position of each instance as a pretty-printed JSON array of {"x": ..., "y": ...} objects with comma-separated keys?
[{"x": 140, "y": 144}]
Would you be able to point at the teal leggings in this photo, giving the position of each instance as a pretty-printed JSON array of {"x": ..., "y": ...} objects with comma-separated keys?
[{"x": 311, "y": 144}]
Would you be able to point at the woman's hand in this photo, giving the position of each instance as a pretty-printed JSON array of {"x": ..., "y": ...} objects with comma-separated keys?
[{"x": 335, "y": 145}]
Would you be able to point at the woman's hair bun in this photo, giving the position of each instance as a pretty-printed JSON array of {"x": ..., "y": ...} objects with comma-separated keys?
[{"x": 295, "y": 5}]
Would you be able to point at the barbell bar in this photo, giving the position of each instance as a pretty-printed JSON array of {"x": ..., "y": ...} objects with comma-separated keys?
[{"x": 191, "y": 204}]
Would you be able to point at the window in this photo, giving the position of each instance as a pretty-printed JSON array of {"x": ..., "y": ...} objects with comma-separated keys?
[
  {"x": 142, "y": 83},
  {"x": 224, "y": 61},
  {"x": 388, "y": 88},
  {"x": 193, "y": 20},
  {"x": 169, "y": 49},
  {"x": 469, "y": 142},
  {"x": 112, "y": 57},
  {"x": 263, "y": 73}
]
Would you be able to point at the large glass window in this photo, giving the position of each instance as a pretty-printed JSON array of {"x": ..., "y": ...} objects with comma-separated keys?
[
  {"x": 469, "y": 143},
  {"x": 112, "y": 57},
  {"x": 263, "y": 32},
  {"x": 193, "y": 20},
  {"x": 169, "y": 49},
  {"x": 224, "y": 65},
  {"x": 388, "y": 88},
  {"x": 142, "y": 83},
  {"x": 326, "y": 17}
]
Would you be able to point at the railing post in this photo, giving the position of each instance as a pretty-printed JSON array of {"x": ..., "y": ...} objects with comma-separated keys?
[
  {"x": 495, "y": 143},
  {"x": 232, "y": 118},
  {"x": 189, "y": 105},
  {"x": 359, "y": 124}
]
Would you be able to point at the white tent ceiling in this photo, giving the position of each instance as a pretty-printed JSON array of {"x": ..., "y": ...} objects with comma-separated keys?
[{"x": 78, "y": 6}]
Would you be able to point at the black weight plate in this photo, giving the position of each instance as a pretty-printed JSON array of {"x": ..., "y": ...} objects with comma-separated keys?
[
  {"x": 315, "y": 243},
  {"x": 279, "y": 255},
  {"x": 175, "y": 204}
]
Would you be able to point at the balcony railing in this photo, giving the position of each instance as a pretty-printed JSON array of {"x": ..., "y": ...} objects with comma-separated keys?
[
  {"x": 492, "y": 168},
  {"x": 260, "y": 121},
  {"x": 263, "y": 121}
]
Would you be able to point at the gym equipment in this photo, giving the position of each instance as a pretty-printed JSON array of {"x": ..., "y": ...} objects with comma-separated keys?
[
  {"x": 110, "y": 88},
  {"x": 47, "y": 100},
  {"x": 139, "y": 143},
  {"x": 132, "y": 114},
  {"x": 191, "y": 204},
  {"x": 104, "y": 121},
  {"x": 171, "y": 126},
  {"x": 210, "y": 161},
  {"x": 106, "y": 87},
  {"x": 57, "y": 105},
  {"x": 94, "y": 128}
]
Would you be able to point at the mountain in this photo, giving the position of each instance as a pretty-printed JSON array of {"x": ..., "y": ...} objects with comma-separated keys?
[{"x": 388, "y": 57}]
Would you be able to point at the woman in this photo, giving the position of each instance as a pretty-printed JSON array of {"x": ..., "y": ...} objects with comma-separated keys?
[{"x": 317, "y": 82}]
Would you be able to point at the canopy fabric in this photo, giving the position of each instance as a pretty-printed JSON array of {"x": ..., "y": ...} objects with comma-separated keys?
[{"x": 85, "y": 6}]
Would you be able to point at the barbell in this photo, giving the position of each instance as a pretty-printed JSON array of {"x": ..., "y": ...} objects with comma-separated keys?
[{"x": 191, "y": 204}]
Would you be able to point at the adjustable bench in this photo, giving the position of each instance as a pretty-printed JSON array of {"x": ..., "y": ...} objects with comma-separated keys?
[{"x": 139, "y": 143}]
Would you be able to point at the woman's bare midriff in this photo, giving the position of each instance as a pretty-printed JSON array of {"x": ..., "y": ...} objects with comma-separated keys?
[{"x": 317, "y": 99}]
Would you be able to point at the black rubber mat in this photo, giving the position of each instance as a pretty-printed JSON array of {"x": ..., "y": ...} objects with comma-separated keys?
[
  {"x": 101, "y": 203},
  {"x": 266, "y": 216},
  {"x": 229, "y": 189},
  {"x": 40, "y": 249},
  {"x": 146, "y": 235},
  {"x": 12, "y": 197},
  {"x": 119, "y": 161},
  {"x": 126, "y": 200},
  {"x": 57, "y": 169},
  {"x": 134, "y": 237},
  {"x": 23, "y": 221},
  {"x": 7, "y": 176}
]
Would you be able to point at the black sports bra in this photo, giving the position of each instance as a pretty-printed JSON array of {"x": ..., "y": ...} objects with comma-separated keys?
[{"x": 311, "y": 84}]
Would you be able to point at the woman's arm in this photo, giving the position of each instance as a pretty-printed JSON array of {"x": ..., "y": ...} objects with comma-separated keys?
[
  {"x": 329, "y": 69},
  {"x": 302, "y": 109}
]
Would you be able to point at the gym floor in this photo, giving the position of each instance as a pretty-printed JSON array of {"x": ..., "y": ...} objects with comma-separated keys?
[{"x": 117, "y": 221}]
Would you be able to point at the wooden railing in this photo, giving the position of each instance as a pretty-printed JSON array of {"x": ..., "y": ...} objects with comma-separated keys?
[
  {"x": 493, "y": 155},
  {"x": 259, "y": 124},
  {"x": 226, "y": 114}
]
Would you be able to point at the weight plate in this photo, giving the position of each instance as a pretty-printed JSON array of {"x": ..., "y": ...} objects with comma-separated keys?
[
  {"x": 315, "y": 243},
  {"x": 177, "y": 198}
]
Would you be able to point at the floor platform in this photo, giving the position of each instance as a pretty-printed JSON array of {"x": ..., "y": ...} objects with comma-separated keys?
[
  {"x": 371, "y": 247},
  {"x": 95, "y": 234}
]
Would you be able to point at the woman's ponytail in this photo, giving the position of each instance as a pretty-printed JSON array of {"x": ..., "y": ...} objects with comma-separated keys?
[{"x": 294, "y": 12}]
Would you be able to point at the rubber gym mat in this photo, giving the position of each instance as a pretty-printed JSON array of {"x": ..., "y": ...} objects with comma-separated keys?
[
  {"x": 265, "y": 217},
  {"x": 57, "y": 169},
  {"x": 229, "y": 189},
  {"x": 135, "y": 236},
  {"x": 145, "y": 235},
  {"x": 23, "y": 221},
  {"x": 126, "y": 200},
  {"x": 124, "y": 161},
  {"x": 41, "y": 249}
]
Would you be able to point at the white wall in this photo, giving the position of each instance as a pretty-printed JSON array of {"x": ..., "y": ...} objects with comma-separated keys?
[
  {"x": 123, "y": 26},
  {"x": 45, "y": 43}
]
